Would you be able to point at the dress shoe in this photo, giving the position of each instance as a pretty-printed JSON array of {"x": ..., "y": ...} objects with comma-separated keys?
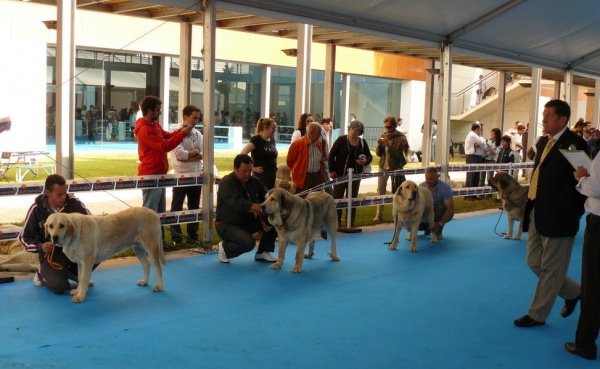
[
  {"x": 572, "y": 349},
  {"x": 569, "y": 307},
  {"x": 527, "y": 322}
]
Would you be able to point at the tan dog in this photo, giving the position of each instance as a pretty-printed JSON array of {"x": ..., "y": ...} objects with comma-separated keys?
[
  {"x": 299, "y": 221},
  {"x": 89, "y": 240},
  {"x": 412, "y": 205},
  {"x": 283, "y": 172},
  {"x": 289, "y": 186},
  {"x": 514, "y": 200}
]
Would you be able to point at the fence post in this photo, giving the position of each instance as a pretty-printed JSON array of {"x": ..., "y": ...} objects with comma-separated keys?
[{"x": 349, "y": 228}]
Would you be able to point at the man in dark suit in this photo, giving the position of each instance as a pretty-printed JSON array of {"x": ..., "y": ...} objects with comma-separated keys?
[{"x": 552, "y": 217}]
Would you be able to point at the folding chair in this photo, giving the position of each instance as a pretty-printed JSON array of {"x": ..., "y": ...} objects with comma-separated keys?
[{"x": 5, "y": 164}]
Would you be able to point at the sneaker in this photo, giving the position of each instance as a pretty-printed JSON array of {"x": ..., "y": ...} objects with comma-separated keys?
[
  {"x": 377, "y": 219},
  {"x": 166, "y": 245},
  {"x": 177, "y": 243},
  {"x": 36, "y": 280},
  {"x": 222, "y": 257},
  {"x": 265, "y": 256}
]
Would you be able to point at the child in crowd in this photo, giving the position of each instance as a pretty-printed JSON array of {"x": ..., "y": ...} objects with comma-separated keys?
[{"x": 506, "y": 154}]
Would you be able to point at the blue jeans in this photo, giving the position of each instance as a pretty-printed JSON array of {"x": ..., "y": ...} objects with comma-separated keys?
[{"x": 155, "y": 199}]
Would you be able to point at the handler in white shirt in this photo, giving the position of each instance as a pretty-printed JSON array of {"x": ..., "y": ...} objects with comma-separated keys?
[
  {"x": 474, "y": 146},
  {"x": 187, "y": 158}
]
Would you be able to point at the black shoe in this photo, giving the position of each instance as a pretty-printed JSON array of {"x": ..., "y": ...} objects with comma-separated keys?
[
  {"x": 569, "y": 307},
  {"x": 572, "y": 349},
  {"x": 177, "y": 243},
  {"x": 527, "y": 322}
]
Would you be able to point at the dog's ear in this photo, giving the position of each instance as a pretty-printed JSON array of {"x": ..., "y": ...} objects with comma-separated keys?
[
  {"x": 70, "y": 228},
  {"x": 282, "y": 200}
]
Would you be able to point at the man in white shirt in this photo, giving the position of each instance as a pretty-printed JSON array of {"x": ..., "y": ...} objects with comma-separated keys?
[
  {"x": 187, "y": 158},
  {"x": 589, "y": 325},
  {"x": 474, "y": 145}
]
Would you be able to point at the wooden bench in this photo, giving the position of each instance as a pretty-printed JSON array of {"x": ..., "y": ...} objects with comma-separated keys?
[{"x": 22, "y": 170}]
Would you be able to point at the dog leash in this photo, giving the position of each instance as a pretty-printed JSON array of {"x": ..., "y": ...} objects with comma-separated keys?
[
  {"x": 389, "y": 243},
  {"x": 49, "y": 257},
  {"x": 496, "y": 226}
]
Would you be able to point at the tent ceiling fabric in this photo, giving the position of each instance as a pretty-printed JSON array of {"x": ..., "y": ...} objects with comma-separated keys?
[{"x": 502, "y": 35}]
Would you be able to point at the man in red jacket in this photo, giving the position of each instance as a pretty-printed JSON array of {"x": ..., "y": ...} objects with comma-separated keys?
[{"x": 153, "y": 145}]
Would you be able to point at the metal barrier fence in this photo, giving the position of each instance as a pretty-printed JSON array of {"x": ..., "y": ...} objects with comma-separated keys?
[{"x": 190, "y": 179}]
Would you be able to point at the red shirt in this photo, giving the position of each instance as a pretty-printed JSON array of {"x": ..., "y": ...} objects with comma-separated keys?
[{"x": 153, "y": 145}]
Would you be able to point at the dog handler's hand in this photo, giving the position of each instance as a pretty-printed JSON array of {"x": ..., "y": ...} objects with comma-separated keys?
[
  {"x": 580, "y": 172},
  {"x": 47, "y": 247}
]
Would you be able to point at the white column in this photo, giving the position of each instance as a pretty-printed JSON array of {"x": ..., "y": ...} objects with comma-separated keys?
[
  {"x": 165, "y": 82},
  {"x": 265, "y": 92},
  {"x": 534, "y": 105},
  {"x": 328, "y": 96},
  {"x": 303, "y": 68},
  {"x": 596, "y": 114},
  {"x": 569, "y": 87},
  {"x": 500, "y": 103},
  {"x": 185, "y": 71},
  {"x": 345, "y": 104},
  {"x": 210, "y": 27},
  {"x": 443, "y": 130},
  {"x": 428, "y": 116},
  {"x": 65, "y": 90}
]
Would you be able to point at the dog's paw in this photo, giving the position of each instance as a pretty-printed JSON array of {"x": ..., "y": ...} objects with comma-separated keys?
[
  {"x": 433, "y": 238},
  {"x": 507, "y": 236},
  {"x": 276, "y": 266},
  {"x": 74, "y": 291},
  {"x": 297, "y": 269},
  {"x": 413, "y": 249},
  {"x": 142, "y": 282},
  {"x": 334, "y": 257},
  {"x": 77, "y": 299},
  {"x": 308, "y": 255},
  {"x": 157, "y": 288},
  {"x": 392, "y": 246},
  {"x": 408, "y": 238}
]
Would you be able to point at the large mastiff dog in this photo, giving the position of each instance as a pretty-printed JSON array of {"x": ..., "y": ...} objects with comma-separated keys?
[
  {"x": 514, "y": 200},
  {"x": 299, "y": 221},
  {"x": 412, "y": 205},
  {"x": 88, "y": 240}
]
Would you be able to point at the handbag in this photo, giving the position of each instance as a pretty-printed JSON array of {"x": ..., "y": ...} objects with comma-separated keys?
[{"x": 366, "y": 167}]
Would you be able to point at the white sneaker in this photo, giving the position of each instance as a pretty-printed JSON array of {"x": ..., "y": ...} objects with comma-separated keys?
[
  {"x": 265, "y": 256},
  {"x": 36, "y": 280},
  {"x": 221, "y": 255},
  {"x": 377, "y": 219}
]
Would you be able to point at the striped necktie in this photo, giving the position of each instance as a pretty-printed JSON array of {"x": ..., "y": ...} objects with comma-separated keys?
[{"x": 536, "y": 173}]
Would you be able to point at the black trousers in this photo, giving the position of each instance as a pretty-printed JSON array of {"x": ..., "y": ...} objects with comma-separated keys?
[
  {"x": 57, "y": 280},
  {"x": 238, "y": 240},
  {"x": 338, "y": 193},
  {"x": 473, "y": 177},
  {"x": 193, "y": 196},
  {"x": 589, "y": 319}
]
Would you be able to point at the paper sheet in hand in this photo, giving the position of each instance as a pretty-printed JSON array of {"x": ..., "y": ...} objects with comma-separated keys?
[{"x": 578, "y": 158}]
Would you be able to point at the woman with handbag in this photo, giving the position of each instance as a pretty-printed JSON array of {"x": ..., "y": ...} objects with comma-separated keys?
[
  {"x": 349, "y": 151},
  {"x": 392, "y": 148}
]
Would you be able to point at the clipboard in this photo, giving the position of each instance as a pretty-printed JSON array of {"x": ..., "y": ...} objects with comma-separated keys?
[{"x": 577, "y": 158}]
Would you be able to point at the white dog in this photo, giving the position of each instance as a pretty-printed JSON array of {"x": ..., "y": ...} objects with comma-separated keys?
[{"x": 89, "y": 240}]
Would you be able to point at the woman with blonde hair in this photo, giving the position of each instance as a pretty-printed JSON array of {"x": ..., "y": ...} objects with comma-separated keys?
[{"x": 263, "y": 151}]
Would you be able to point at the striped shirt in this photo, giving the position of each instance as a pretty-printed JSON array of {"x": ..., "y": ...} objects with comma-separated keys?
[{"x": 314, "y": 158}]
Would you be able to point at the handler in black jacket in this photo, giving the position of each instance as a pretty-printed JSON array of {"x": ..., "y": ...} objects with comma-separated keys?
[
  {"x": 55, "y": 199},
  {"x": 552, "y": 217}
]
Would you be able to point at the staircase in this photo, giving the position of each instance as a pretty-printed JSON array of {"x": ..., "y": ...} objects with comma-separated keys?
[{"x": 465, "y": 106}]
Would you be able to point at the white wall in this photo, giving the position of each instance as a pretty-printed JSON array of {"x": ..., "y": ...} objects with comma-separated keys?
[
  {"x": 412, "y": 112},
  {"x": 23, "y": 92}
]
